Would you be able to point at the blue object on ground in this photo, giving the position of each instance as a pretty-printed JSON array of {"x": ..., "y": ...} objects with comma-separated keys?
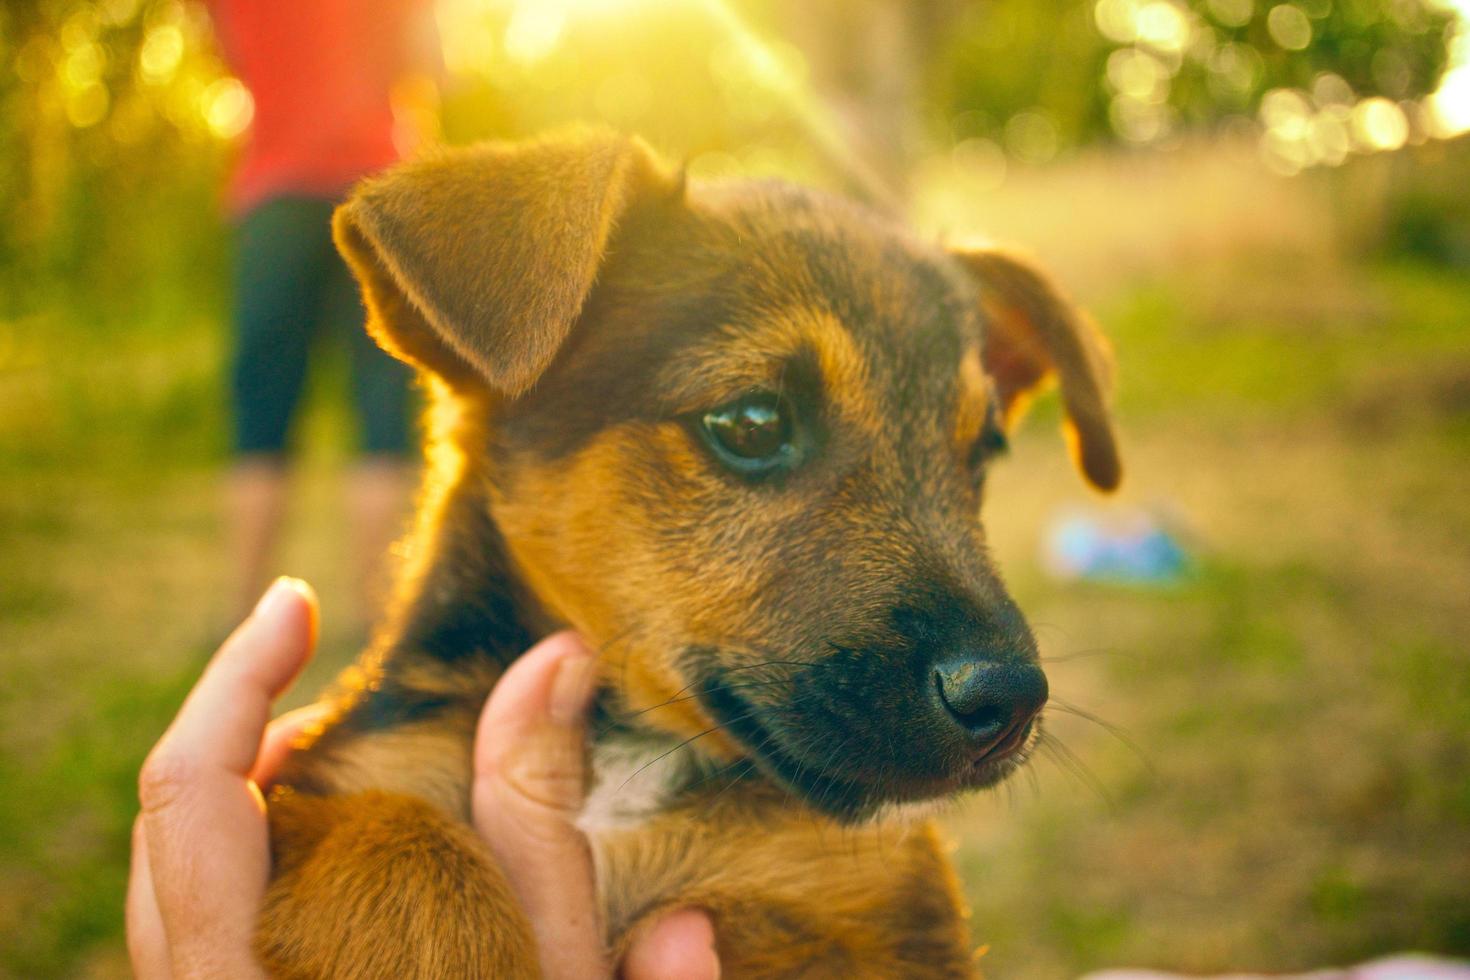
[{"x": 1132, "y": 548}]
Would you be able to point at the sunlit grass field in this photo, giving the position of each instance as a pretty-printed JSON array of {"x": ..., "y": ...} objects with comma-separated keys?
[{"x": 1281, "y": 776}]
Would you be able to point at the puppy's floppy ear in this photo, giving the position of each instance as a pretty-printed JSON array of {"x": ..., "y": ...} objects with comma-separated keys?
[
  {"x": 1033, "y": 333},
  {"x": 475, "y": 263}
]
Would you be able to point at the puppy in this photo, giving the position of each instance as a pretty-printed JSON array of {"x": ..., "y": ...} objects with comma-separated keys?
[{"x": 735, "y": 434}]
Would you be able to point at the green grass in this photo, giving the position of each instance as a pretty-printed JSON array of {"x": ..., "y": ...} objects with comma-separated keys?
[
  {"x": 113, "y": 591},
  {"x": 1292, "y": 784}
]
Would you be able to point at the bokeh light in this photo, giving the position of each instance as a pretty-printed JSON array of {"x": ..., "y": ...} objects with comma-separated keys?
[
  {"x": 1449, "y": 105},
  {"x": 161, "y": 54},
  {"x": 533, "y": 31},
  {"x": 1289, "y": 27},
  {"x": 1032, "y": 137},
  {"x": 228, "y": 108},
  {"x": 1231, "y": 13},
  {"x": 1161, "y": 24},
  {"x": 1379, "y": 124}
]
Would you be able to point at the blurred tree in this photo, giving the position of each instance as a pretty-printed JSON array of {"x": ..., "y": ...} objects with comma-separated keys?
[
  {"x": 111, "y": 115},
  {"x": 1144, "y": 71},
  {"x": 1026, "y": 79}
]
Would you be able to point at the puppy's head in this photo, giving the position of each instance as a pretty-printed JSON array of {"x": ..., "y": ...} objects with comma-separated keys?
[{"x": 739, "y": 438}]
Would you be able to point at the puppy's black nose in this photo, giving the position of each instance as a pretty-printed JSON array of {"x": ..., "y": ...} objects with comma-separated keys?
[{"x": 992, "y": 700}]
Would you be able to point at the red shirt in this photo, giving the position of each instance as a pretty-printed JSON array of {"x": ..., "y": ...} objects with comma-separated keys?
[{"x": 321, "y": 73}]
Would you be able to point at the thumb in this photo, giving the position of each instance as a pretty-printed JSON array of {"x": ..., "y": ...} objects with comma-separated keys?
[
  {"x": 529, "y": 775},
  {"x": 679, "y": 946}
]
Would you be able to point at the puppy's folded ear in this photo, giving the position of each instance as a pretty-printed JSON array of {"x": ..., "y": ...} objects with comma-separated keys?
[
  {"x": 1033, "y": 333},
  {"x": 475, "y": 263}
]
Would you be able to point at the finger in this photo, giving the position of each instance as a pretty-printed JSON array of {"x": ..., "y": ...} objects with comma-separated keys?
[
  {"x": 528, "y": 789},
  {"x": 222, "y": 719},
  {"x": 207, "y": 838},
  {"x": 680, "y": 946},
  {"x": 147, "y": 942},
  {"x": 281, "y": 736}
]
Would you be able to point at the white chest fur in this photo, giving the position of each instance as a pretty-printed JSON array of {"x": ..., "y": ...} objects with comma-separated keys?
[{"x": 634, "y": 776}]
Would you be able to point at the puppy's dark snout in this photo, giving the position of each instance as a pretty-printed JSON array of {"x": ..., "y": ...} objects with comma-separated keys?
[{"x": 993, "y": 701}]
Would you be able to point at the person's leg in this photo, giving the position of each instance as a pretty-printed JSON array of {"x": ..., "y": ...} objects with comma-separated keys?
[
  {"x": 380, "y": 485},
  {"x": 278, "y": 267},
  {"x": 255, "y": 500}
]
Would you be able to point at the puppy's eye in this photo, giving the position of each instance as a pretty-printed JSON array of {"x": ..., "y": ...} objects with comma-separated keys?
[{"x": 751, "y": 434}]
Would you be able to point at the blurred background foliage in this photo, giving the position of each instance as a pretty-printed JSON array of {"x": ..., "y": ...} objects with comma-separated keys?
[
  {"x": 116, "y": 116},
  {"x": 1266, "y": 205}
]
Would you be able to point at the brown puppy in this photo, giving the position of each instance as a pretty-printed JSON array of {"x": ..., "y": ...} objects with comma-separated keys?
[{"x": 736, "y": 435}]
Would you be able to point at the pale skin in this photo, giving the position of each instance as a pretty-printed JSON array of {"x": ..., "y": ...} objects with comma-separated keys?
[{"x": 200, "y": 845}]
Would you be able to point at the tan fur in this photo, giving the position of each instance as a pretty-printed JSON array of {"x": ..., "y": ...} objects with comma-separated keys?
[
  {"x": 430, "y": 762},
  {"x": 791, "y": 897},
  {"x": 410, "y": 893}
]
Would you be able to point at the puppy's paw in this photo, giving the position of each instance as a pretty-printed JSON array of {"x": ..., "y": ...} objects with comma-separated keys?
[{"x": 381, "y": 884}]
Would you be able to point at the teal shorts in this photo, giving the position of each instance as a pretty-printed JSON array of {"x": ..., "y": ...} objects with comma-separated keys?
[{"x": 293, "y": 290}]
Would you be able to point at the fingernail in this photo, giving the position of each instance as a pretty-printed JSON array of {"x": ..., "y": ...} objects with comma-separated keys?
[
  {"x": 576, "y": 676},
  {"x": 283, "y": 590}
]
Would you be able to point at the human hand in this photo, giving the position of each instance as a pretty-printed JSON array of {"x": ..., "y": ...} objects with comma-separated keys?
[
  {"x": 201, "y": 849},
  {"x": 201, "y": 858},
  {"x": 530, "y": 755}
]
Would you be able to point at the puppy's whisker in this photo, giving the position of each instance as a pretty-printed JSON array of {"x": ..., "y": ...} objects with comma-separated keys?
[
  {"x": 743, "y": 766},
  {"x": 779, "y": 663},
  {"x": 1034, "y": 781},
  {"x": 1052, "y": 628},
  {"x": 1070, "y": 763},
  {"x": 832, "y": 756},
  {"x": 681, "y": 695},
  {"x": 1063, "y": 658},
  {"x": 665, "y": 754},
  {"x": 708, "y": 731},
  {"x": 1115, "y": 731},
  {"x": 670, "y": 702},
  {"x": 766, "y": 739}
]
